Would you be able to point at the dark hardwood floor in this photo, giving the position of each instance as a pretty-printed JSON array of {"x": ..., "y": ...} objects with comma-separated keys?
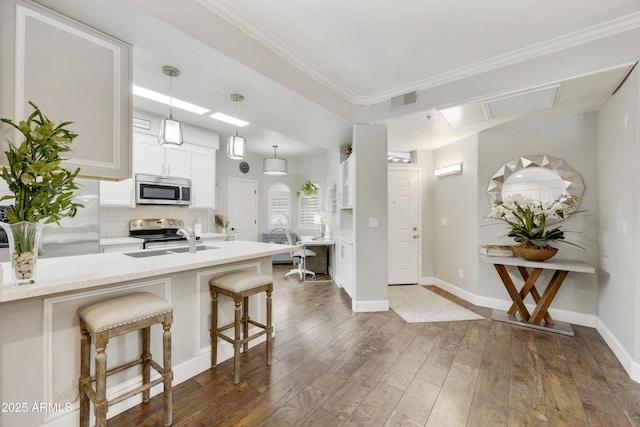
[{"x": 334, "y": 367}]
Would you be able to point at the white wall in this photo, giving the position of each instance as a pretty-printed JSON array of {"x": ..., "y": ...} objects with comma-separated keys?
[
  {"x": 424, "y": 160},
  {"x": 461, "y": 201},
  {"x": 618, "y": 284},
  {"x": 371, "y": 204},
  {"x": 455, "y": 200},
  {"x": 571, "y": 137}
]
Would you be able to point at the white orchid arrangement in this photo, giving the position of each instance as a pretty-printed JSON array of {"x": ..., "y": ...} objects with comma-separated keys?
[{"x": 532, "y": 221}]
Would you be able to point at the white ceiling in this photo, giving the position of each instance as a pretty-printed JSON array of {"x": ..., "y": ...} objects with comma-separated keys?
[{"x": 308, "y": 70}]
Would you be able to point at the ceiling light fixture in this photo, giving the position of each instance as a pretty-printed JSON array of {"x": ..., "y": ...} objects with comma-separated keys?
[
  {"x": 237, "y": 145},
  {"x": 170, "y": 129},
  {"x": 164, "y": 99},
  {"x": 229, "y": 119},
  {"x": 274, "y": 165}
]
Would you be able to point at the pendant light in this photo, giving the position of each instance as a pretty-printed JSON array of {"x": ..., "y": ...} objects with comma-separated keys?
[
  {"x": 274, "y": 165},
  {"x": 170, "y": 129},
  {"x": 237, "y": 145}
]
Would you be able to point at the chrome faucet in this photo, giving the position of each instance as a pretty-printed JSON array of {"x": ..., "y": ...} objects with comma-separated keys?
[{"x": 190, "y": 235}]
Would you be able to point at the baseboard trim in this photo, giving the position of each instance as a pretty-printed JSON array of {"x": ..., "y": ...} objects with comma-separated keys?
[
  {"x": 369, "y": 306},
  {"x": 632, "y": 368},
  {"x": 590, "y": 320},
  {"x": 574, "y": 317}
]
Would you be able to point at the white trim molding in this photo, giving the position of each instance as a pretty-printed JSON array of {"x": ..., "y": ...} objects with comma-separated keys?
[
  {"x": 369, "y": 306},
  {"x": 590, "y": 320}
]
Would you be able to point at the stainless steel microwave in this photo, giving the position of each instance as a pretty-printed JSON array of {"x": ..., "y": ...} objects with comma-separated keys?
[{"x": 160, "y": 190}]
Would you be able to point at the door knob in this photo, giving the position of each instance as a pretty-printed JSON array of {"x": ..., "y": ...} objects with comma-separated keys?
[
  {"x": 415, "y": 228},
  {"x": 415, "y": 236}
]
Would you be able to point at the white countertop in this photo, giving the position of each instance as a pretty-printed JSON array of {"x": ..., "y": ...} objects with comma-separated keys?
[{"x": 56, "y": 275}]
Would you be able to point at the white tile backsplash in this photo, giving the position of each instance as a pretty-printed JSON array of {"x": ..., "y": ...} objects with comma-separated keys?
[{"x": 114, "y": 222}]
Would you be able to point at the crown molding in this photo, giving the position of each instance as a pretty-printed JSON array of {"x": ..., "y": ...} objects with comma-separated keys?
[
  {"x": 257, "y": 32},
  {"x": 231, "y": 14}
]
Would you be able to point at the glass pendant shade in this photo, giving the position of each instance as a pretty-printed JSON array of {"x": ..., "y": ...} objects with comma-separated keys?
[
  {"x": 170, "y": 132},
  {"x": 236, "y": 147},
  {"x": 274, "y": 165}
]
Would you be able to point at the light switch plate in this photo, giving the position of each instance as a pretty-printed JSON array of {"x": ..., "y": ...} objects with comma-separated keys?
[{"x": 373, "y": 222}]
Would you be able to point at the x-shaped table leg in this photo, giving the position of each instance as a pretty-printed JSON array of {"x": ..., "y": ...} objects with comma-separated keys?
[
  {"x": 528, "y": 287},
  {"x": 518, "y": 303}
]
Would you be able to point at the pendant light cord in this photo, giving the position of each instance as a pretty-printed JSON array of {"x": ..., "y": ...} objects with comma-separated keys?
[
  {"x": 237, "y": 116},
  {"x": 171, "y": 97}
]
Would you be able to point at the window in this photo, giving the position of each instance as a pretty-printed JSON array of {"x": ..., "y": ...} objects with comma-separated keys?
[
  {"x": 307, "y": 207},
  {"x": 279, "y": 206}
]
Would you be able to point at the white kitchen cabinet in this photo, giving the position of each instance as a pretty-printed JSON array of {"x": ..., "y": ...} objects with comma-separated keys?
[
  {"x": 151, "y": 158},
  {"x": 345, "y": 265},
  {"x": 118, "y": 194},
  {"x": 347, "y": 183},
  {"x": 73, "y": 73},
  {"x": 203, "y": 177},
  {"x": 177, "y": 161}
]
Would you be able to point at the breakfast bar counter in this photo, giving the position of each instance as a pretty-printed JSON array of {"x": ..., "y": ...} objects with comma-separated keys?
[
  {"x": 39, "y": 337},
  {"x": 64, "y": 274}
]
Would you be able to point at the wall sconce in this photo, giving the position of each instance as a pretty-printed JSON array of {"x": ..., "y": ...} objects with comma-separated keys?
[{"x": 448, "y": 170}]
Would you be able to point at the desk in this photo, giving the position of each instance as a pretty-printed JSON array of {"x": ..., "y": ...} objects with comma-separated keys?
[
  {"x": 307, "y": 242},
  {"x": 518, "y": 313}
]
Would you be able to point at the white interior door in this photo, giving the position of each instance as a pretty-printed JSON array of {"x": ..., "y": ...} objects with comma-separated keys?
[
  {"x": 242, "y": 202},
  {"x": 404, "y": 226}
]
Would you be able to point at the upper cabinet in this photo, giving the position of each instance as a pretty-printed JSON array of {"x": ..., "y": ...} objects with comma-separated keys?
[
  {"x": 73, "y": 73},
  {"x": 191, "y": 161},
  {"x": 151, "y": 158},
  {"x": 203, "y": 178},
  {"x": 347, "y": 180}
]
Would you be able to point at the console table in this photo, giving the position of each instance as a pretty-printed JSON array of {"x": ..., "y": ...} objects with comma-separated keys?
[{"x": 518, "y": 312}]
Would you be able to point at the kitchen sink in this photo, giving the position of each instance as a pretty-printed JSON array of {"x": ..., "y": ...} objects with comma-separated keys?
[
  {"x": 158, "y": 252},
  {"x": 145, "y": 254},
  {"x": 199, "y": 248}
]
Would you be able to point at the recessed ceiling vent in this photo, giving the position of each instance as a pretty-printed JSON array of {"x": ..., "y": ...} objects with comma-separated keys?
[{"x": 403, "y": 100}]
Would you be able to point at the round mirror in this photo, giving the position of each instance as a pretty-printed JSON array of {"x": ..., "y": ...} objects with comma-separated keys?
[{"x": 541, "y": 177}]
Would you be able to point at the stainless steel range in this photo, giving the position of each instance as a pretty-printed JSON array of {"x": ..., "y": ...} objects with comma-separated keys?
[{"x": 160, "y": 232}]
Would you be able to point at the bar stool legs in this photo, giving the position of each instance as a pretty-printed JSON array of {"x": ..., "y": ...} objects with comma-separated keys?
[
  {"x": 240, "y": 286},
  {"x": 112, "y": 318}
]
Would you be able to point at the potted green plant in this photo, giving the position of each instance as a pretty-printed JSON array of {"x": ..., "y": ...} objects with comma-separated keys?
[
  {"x": 42, "y": 189},
  {"x": 308, "y": 189},
  {"x": 533, "y": 224}
]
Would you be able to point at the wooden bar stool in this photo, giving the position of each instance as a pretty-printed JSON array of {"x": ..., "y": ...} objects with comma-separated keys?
[
  {"x": 113, "y": 317},
  {"x": 239, "y": 286}
]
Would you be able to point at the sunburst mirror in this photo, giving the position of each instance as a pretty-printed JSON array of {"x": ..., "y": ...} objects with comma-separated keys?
[{"x": 540, "y": 177}]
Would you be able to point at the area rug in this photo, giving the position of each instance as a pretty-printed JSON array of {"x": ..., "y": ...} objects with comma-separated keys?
[{"x": 416, "y": 304}]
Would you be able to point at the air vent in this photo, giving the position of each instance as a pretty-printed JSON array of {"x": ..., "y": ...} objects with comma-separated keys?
[{"x": 402, "y": 100}]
